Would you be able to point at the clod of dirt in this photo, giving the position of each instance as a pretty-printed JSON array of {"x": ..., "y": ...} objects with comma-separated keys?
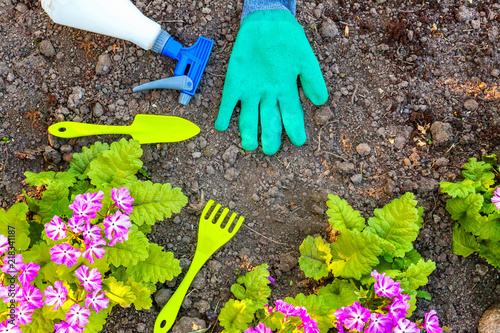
[
  {"x": 490, "y": 321},
  {"x": 323, "y": 115},
  {"x": 162, "y": 296},
  {"x": 471, "y": 105},
  {"x": 188, "y": 324},
  {"x": 329, "y": 29},
  {"x": 442, "y": 133},
  {"x": 363, "y": 149}
]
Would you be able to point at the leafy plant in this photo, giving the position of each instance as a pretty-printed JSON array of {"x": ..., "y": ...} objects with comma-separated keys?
[
  {"x": 356, "y": 251},
  {"x": 472, "y": 205},
  {"x": 52, "y": 244}
]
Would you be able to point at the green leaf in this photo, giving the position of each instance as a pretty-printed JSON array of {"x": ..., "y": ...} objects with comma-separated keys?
[
  {"x": 461, "y": 189},
  {"x": 39, "y": 324},
  {"x": 97, "y": 321},
  {"x": 416, "y": 275},
  {"x": 14, "y": 226},
  {"x": 424, "y": 294},
  {"x": 318, "y": 307},
  {"x": 490, "y": 159},
  {"x": 158, "y": 267},
  {"x": 342, "y": 216},
  {"x": 155, "y": 202},
  {"x": 82, "y": 186},
  {"x": 130, "y": 252},
  {"x": 354, "y": 254},
  {"x": 142, "y": 293},
  {"x": 253, "y": 285},
  {"x": 117, "y": 166},
  {"x": 33, "y": 204},
  {"x": 49, "y": 177},
  {"x": 464, "y": 243},
  {"x": 314, "y": 258},
  {"x": 479, "y": 171},
  {"x": 412, "y": 302},
  {"x": 490, "y": 229},
  {"x": 80, "y": 161},
  {"x": 491, "y": 252},
  {"x": 466, "y": 211},
  {"x": 340, "y": 293},
  {"x": 236, "y": 316},
  {"x": 397, "y": 223},
  {"x": 55, "y": 201},
  {"x": 411, "y": 257},
  {"x": 118, "y": 292}
]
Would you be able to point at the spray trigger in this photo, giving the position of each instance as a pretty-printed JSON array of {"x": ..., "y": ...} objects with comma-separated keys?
[{"x": 182, "y": 82}]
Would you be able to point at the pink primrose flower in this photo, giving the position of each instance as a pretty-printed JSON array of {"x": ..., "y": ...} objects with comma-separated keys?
[
  {"x": 33, "y": 297},
  {"x": 380, "y": 323},
  {"x": 12, "y": 292},
  {"x": 23, "y": 314},
  {"x": 120, "y": 239},
  {"x": 116, "y": 225},
  {"x": 77, "y": 315},
  {"x": 399, "y": 307},
  {"x": 431, "y": 323},
  {"x": 56, "y": 229},
  {"x": 94, "y": 249},
  {"x": 13, "y": 264},
  {"x": 91, "y": 233},
  {"x": 7, "y": 327},
  {"x": 356, "y": 316},
  {"x": 92, "y": 198},
  {"x": 496, "y": 198},
  {"x": 385, "y": 285},
  {"x": 97, "y": 301},
  {"x": 64, "y": 327},
  {"x": 56, "y": 296},
  {"x": 123, "y": 199},
  {"x": 64, "y": 254},
  {"x": 91, "y": 280},
  {"x": 29, "y": 273},
  {"x": 4, "y": 244},
  {"x": 406, "y": 326},
  {"x": 261, "y": 328},
  {"x": 83, "y": 209},
  {"x": 76, "y": 224}
]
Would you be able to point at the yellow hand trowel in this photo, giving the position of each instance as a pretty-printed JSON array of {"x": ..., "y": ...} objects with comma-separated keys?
[{"x": 145, "y": 129}]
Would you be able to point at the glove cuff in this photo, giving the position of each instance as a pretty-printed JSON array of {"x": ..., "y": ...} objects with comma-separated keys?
[{"x": 251, "y": 6}]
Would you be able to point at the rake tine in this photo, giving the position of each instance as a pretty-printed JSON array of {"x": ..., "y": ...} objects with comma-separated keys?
[
  {"x": 214, "y": 212},
  {"x": 222, "y": 216},
  {"x": 238, "y": 225},
  {"x": 207, "y": 208}
]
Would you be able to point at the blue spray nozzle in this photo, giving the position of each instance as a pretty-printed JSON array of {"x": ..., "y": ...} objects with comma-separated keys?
[{"x": 191, "y": 63}]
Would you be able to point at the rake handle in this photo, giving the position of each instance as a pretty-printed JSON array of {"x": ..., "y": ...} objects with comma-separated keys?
[{"x": 169, "y": 312}]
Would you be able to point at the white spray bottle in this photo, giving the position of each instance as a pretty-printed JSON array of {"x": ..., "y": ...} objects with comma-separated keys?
[{"x": 121, "y": 19}]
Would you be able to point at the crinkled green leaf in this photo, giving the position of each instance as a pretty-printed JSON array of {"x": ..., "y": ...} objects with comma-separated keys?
[
  {"x": 142, "y": 293},
  {"x": 314, "y": 258},
  {"x": 55, "y": 201},
  {"x": 253, "y": 285},
  {"x": 490, "y": 159},
  {"x": 160, "y": 266},
  {"x": 117, "y": 166},
  {"x": 342, "y": 216},
  {"x": 416, "y": 275},
  {"x": 491, "y": 252},
  {"x": 14, "y": 226},
  {"x": 424, "y": 294},
  {"x": 464, "y": 243},
  {"x": 130, "y": 252},
  {"x": 354, "y": 254},
  {"x": 318, "y": 307},
  {"x": 39, "y": 324},
  {"x": 49, "y": 177},
  {"x": 479, "y": 171},
  {"x": 80, "y": 161},
  {"x": 155, "y": 202},
  {"x": 466, "y": 211},
  {"x": 82, "y": 186},
  {"x": 118, "y": 292},
  {"x": 340, "y": 293},
  {"x": 33, "y": 204},
  {"x": 490, "y": 229},
  {"x": 397, "y": 223},
  {"x": 461, "y": 189},
  {"x": 97, "y": 320},
  {"x": 411, "y": 257},
  {"x": 236, "y": 316},
  {"x": 412, "y": 302}
]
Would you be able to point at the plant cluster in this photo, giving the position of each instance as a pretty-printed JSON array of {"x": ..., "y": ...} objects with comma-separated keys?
[
  {"x": 475, "y": 205},
  {"x": 84, "y": 249},
  {"x": 355, "y": 253}
]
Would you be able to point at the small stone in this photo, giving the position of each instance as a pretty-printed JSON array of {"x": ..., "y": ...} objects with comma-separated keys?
[
  {"x": 98, "y": 110},
  {"x": 103, "y": 64},
  {"x": 51, "y": 155},
  {"x": 442, "y": 161},
  {"x": 463, "y": 14},
  {"x": 210, "y": 150},
  {"x": 255, "y": 197},
  {"x": 188, "y": 324},
  {"x": 363, "y": 149},
  {"x": 196, "y": 154},
  {"x": 329, "y": 28},
  {"x": 441, "y": 133},
  {"x": 476, "y": 24},
  {"x": 323, "y": 115},
  {"x": 230, "y": 154},
  {"x": 471, "y": 105},
  {"x": 75, "y": 99},
  {"x": 490, "y": 321},
  {"x": 202, "y": 306},
  {"x": 493, "y": 33},
  {"x": 357, "y": 178},
  {"x": 495, "y": 72},
  {"x": 68, "y": 157},
  {"x": 162, "y": 296},
  {"x": 66, "y": 149},
  {"x": 47, "y": 49},
  {"x": 231, "y": 174},
  {"x": 481, "y": 269}
]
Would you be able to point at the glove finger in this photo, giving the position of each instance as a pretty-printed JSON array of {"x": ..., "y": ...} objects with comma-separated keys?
[
  {"x": 230, "y": 98},
  {"x": 293, "y": 117},
  {"x": 270, "y": 123},
  {"x": 312, "y": 80},
  {"x": 249, "y": 123}
]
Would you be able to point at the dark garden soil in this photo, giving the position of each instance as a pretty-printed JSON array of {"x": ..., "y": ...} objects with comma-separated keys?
[{"x": 413, "y": 93}]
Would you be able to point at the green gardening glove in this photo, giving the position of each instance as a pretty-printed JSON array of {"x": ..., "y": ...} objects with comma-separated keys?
[{"x": 270, "y": 52}]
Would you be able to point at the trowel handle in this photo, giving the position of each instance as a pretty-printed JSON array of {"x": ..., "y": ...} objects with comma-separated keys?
[{"x": 70, "y": 129}]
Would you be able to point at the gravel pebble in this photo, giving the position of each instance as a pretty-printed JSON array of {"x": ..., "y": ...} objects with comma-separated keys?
[{"x": 47, "y": 49}]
